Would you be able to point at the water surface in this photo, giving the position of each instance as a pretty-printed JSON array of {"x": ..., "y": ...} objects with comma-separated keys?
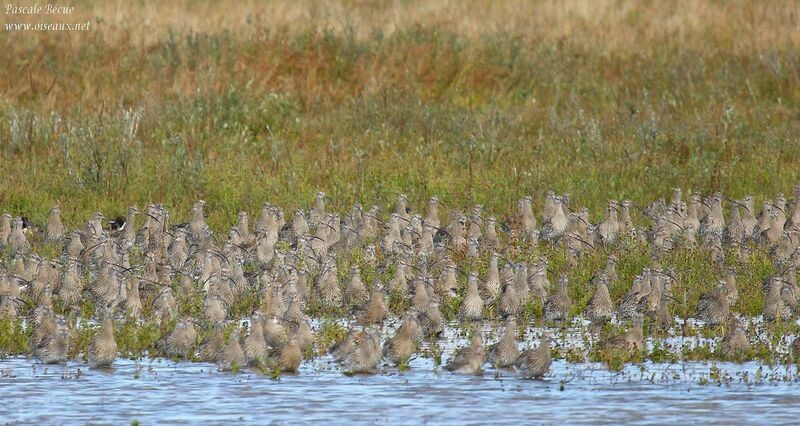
[{"x": 163, "y": 391}]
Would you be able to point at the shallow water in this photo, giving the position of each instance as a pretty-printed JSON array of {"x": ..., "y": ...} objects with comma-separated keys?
[
  {"x": 164, "y": 391},
  {"x": 161, "y": 391}
]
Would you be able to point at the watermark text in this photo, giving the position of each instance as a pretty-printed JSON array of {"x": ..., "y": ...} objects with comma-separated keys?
[{"x": 45, "y": 9}]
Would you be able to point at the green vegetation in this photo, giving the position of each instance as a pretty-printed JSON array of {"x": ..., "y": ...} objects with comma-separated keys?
[
  {"x": 13, "y": 337},
  {"x": 329, "y": 332},
  {"x": 244, "y": 114}
]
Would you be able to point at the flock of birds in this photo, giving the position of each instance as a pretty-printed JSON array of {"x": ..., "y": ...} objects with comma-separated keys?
[{"x": 132, "y": 273}]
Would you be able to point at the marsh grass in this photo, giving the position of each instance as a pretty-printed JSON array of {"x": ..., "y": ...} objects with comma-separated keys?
[
  {"x": 240, "y": 115},
  {"x": 329, "y": 332},
  {"x": 13, "y": 337}
]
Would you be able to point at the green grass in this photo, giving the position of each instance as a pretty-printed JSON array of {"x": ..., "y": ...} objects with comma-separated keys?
[
  {"x": 279, "y": 115},
  {"x": 13, "y": 337}
]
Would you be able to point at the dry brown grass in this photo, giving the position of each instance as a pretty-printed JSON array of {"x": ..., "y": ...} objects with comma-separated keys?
[{"x": 631, "y": 25}]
